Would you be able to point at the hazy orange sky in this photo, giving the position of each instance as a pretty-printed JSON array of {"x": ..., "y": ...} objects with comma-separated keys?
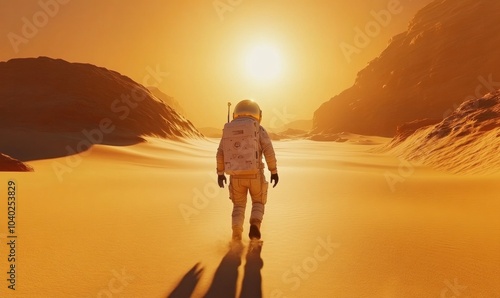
[{"x": 200, "y": 47}]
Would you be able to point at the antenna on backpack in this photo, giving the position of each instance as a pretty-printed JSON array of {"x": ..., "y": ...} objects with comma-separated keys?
[{"x": 228, "y": 110}]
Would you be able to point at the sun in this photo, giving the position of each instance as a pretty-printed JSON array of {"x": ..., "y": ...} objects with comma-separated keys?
[{"x": 263, "y": 63}]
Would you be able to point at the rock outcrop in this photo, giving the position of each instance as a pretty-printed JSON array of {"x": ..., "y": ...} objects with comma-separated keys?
[
  {"x": 467, "y": 141},
  {"x": 450, "y": 53}
]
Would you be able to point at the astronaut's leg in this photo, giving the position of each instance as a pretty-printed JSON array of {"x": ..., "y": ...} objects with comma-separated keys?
[
  {"x": 258, "y": 192},
  {"x": 238, "y": 195}
]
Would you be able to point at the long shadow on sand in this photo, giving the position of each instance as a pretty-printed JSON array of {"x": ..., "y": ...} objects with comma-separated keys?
[
  {"x": 252, "y": 280},
  {"x": 224, "y": 283},
  {"x": 186, "y": 287},
  {"x": 225, "y": 278}
]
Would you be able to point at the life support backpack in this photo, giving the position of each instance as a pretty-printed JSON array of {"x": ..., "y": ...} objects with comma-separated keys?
[{"x": 240, "y": 144}]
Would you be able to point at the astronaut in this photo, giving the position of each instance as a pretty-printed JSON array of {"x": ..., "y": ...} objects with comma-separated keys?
[{"x": 248, "y": 111}]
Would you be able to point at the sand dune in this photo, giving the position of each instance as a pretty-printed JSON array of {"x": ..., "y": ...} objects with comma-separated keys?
[
  {"x": 133, "y": 221},
  {"x": 57, "y": 96},
  {"x": 57, "y": 108},
  {"x": 467, "y": 141},
  {"x": 211, "y": 132},
  {"x": 10, "y": 164}
]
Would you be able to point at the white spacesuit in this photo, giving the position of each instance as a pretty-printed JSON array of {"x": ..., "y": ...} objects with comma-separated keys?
[{"x": 255, "y": 183}]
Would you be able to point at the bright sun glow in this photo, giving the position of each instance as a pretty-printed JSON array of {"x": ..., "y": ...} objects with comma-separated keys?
[{"x": 263, "y": 63}]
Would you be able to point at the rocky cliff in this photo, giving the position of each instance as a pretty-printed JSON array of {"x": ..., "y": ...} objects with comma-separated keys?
[{"x": 450, "y": 53}]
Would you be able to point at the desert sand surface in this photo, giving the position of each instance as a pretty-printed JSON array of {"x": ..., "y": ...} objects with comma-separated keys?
[{"x": 344, "y": 221}]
